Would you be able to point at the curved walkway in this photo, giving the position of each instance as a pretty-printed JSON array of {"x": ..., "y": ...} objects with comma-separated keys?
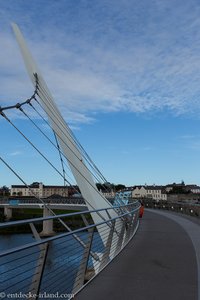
[{"x": 162, "y": 262}]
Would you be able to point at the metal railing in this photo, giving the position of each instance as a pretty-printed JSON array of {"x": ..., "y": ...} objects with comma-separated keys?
[
  {"x": 46, "y": 200},
  {"x": 63, "y": 263},
  {"x": 179, "y": 207}
]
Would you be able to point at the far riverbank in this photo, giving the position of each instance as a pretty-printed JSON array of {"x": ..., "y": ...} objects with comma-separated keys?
[{"x": 73, "y": 222}]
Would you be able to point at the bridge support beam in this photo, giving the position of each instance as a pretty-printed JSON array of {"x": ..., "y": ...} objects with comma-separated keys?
[
  {"x": 7, "y": 213},
  {"x": 47, "y": 229}
]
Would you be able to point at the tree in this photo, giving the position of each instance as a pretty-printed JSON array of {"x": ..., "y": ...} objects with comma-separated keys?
[
  {"x": 4, "y": 191},
  {"x": 178, "y": 190},
  {"x": 101, "y": 187},
  {"x": 119, "y": 187}
]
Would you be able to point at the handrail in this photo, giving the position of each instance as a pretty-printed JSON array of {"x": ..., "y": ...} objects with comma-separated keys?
[
  {"x": 59, "y": 263},
  {"x": 45, "y": 240},
  {"x": 27, "y": 221},
  {"x": 191, "y": 209}
]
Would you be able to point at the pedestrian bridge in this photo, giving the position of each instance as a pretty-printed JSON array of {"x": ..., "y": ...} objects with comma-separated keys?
[
  {"x": 64, "y": 262},
  {"x": 160, "y": 259},
  {"x": 161, "y": 262}
]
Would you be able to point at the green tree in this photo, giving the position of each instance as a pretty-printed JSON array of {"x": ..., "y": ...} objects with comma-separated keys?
[
  {"x": 4, "y": 191},
  {"x": 119, "y": 187}
]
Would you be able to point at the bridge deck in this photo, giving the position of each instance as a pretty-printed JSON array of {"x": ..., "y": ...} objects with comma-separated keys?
[{"x": 161, "y": 262}]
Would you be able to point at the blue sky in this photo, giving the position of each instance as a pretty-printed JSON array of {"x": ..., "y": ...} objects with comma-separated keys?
[{"x": 126, "y": 75}]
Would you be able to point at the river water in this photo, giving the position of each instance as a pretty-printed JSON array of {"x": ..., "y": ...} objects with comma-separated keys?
[{"x": 61, "y": 267}]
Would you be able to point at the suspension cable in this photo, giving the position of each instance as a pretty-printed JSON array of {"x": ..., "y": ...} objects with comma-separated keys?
[
  {"x": 84, "y": 153},
  {"x": 21, "y": 133},
  {"x": 56, "y": 146},
  {"x": 95, "y": 256},
  {"x": 58, "y": 121},
  {"x": 52, "y": 109},
  {"x": 18, "y": 106},
  {"x": 45, "y": 135},
  {"x": 47, "y": 161},
  {"x": 61, "y": 159}
]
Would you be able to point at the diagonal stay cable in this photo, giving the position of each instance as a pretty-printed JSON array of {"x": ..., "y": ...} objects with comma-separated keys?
[
  {"x": 61, "y": 159},
  {"x": 54, "y": 133},
  {"x": 46, "y": 136},
  {"x": 18, "y": 105},
  {"x": 46, "y": 159},
  {"x": 96, "y": 190},
  {"x": 52, "y": 164},
  {"x": 51, "y": 108},
  {"x": 56, "y": 123},
  {"x": 75, "y": 155},
  {"x": 23, "y": 135},
  {"x": 46, "y": 206},
  {"x": 28, "y": 101}
]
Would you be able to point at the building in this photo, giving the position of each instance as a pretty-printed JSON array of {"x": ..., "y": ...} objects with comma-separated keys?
[
  {"x": 108, "y": 194},
  {"x": 195, "y": 189},
  {"x": 156, "y": 193},
  {"x": 152, "y": 192},
  {"x": 139, "y": 192},
  {"x": 39, "y": 190}
]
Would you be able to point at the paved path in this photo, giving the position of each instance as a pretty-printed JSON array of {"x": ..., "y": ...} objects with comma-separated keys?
[{"x": 160, "y": 263}]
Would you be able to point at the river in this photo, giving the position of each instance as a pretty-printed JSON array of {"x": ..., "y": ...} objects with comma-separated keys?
[{"x": 62, "y": 264}]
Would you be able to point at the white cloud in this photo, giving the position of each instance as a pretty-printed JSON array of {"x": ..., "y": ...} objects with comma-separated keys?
[
  {"x": 195, "y": 145},
  {"x": 16, "y": 153},
  {"x": 140, "y": 60}
]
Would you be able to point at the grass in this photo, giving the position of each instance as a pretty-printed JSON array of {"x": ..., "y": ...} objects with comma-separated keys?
[{"x": 73, "y": 222}]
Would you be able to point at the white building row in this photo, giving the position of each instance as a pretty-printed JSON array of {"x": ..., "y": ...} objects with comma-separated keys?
[
  {"x": 39, "y": 190},
  {"x": 152, "y": 192}
]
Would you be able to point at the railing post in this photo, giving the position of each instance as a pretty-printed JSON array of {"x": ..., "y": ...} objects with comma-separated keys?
[
  {"x": 134, "y": 222},
  {"x": 115, "y": 237},
  {"x": 105, "y": 257},
  {"x": 37, "y": 278},
  {"x": 121, "y": 238},
  {"x": 129, "y": 229},
  {"x": 84, "y": 220},
  {"x": 39, "y": 270},
  {"x": 80, "y": 277}
]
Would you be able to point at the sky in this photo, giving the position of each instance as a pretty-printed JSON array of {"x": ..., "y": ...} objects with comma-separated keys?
[{"x": 125, "y": 75}]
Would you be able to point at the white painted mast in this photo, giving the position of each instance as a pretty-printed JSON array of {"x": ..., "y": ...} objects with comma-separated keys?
[{"x": 89, "y": 191}]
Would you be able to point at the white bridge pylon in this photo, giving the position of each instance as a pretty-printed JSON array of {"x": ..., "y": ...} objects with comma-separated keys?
[{"x": 84, "y": 179}]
